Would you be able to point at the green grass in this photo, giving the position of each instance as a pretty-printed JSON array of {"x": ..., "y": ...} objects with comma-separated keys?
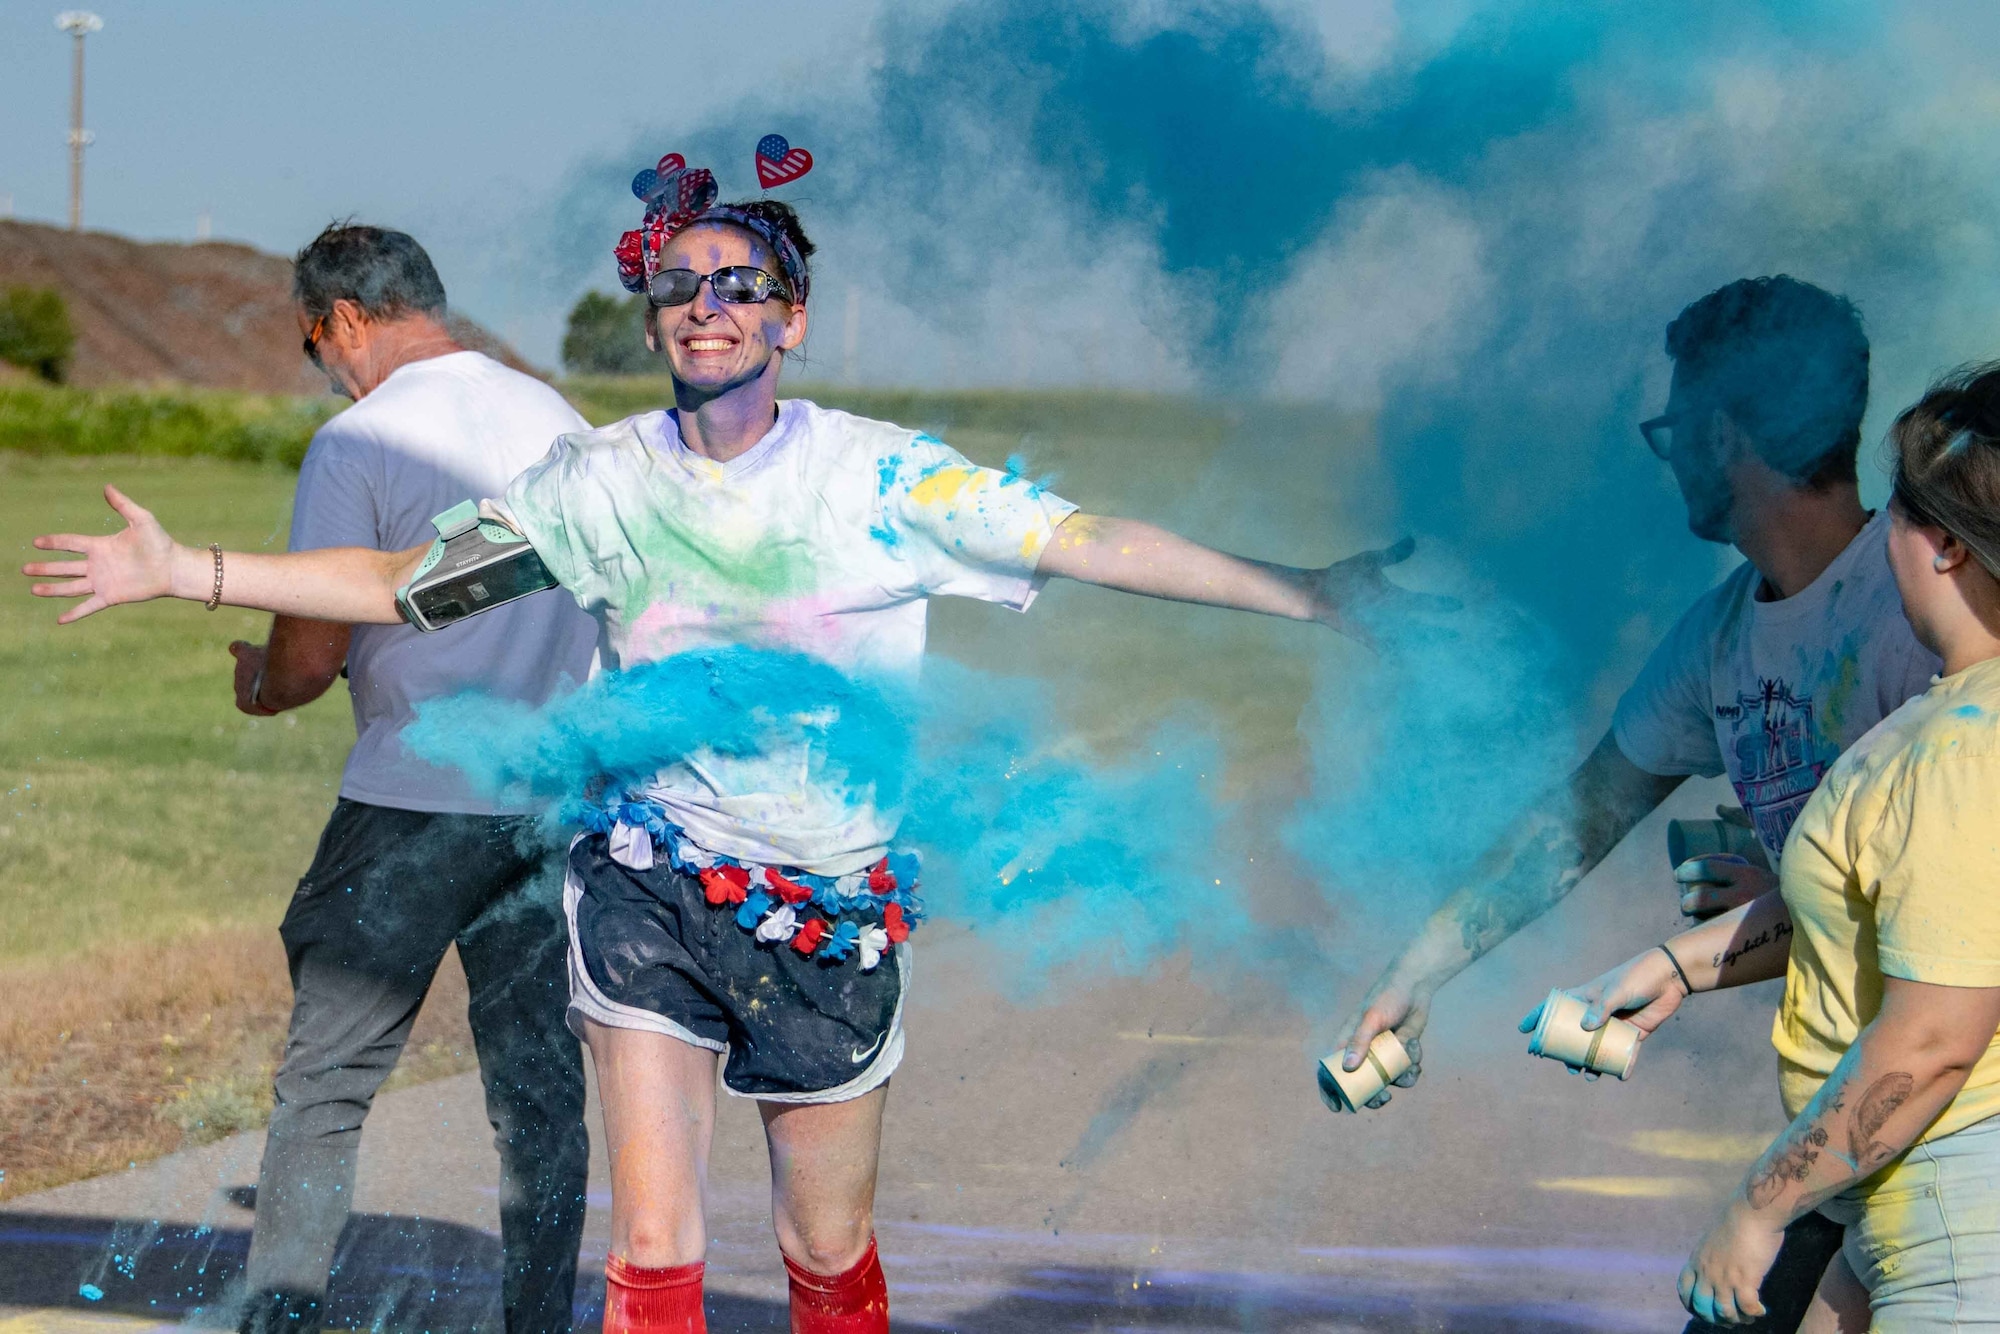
[{"x": 135, "y": 802}]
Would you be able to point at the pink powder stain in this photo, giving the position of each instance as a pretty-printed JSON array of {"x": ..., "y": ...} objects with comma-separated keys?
[{"x": 809, "y": 624}]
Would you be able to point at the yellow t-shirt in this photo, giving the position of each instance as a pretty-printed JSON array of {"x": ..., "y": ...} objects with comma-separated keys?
[{"x": 1893, "y": 868}]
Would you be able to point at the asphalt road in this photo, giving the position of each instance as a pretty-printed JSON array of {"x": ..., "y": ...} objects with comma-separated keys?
[{"x": 1140, "y": 1155}]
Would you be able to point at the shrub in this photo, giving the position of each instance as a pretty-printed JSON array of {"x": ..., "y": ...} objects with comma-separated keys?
[
  {"x": 215, "y": 423},
  {"x": 35, "y": 331},
  {"x": 607, "y": 336}
]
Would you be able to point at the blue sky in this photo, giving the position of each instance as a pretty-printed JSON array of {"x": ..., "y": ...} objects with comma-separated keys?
[{"x": 452, "y": 119}]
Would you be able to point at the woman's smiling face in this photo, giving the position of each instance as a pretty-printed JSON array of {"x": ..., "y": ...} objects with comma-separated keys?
[{"x": 712, "y": 345}]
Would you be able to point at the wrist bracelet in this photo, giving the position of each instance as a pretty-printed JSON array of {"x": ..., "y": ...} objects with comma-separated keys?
[
  {"x": 1679, "y": 971},
  {"x": 215, "y": 594}
]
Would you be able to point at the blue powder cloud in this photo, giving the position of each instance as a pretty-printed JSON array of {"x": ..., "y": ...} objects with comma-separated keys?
[{"x": 1061, "y": 862}]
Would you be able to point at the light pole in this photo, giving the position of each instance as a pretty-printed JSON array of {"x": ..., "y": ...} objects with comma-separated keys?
[{"x": 78, "y": 23}]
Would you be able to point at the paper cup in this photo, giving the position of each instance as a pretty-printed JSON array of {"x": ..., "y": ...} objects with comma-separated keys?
[
  {"x": 1560, "y": 1036},
  {"x": 1348, "y": 1090},
  {"x": 1687, "y": 839}
]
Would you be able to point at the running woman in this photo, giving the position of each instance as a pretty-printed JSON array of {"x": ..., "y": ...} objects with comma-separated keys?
[{"x": 744, "y": 908}]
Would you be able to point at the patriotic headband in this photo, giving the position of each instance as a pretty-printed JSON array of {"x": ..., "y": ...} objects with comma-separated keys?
[{"x": 677, "y": 198}]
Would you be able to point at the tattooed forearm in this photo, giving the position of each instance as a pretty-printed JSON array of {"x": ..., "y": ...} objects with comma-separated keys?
[
  {"x": 1786, "y": 1164},
  {"x": 1877, "y": 1105},
  {"x": 1540, "y": 875},
  {"x": 1778, "y": 934}
]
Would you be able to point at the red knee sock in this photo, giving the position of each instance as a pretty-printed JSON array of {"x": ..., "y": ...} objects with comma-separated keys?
[
  {"x": 856, "y": 1302},
  {"x": 653, "y": 1301}
]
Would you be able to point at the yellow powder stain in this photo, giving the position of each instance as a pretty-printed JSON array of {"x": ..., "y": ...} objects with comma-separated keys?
[
  {"x": 78, "y": 1322},
  {"x": 944, "y": 486},
  {"x": 1697, "y": 1146},
  {"x": 1625, "y": 1188}
]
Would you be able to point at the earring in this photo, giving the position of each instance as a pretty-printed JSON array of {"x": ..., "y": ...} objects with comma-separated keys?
[{"x": 1940, "y": 564}]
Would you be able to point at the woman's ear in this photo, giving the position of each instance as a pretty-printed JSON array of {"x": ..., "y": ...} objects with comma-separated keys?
[
  {"x": 795, "y": 330},
  {"x": 651, "y": 321},
  {"x": 1951, "y": 554}
]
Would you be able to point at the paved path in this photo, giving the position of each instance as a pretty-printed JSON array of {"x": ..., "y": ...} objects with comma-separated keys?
[{"x": 1140, "y": 1156}]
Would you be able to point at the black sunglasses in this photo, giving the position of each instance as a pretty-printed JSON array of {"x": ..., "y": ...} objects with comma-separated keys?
[
  {"x": 738, "y": 284},
  {"x": 311, "y": 344},
  {"x": 1658, "y": 432}
]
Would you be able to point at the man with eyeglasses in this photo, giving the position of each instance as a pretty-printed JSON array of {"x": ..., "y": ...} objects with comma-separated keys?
[
  {"x": 412, "y": 861},
  {"x": 1767, "y": 678}
]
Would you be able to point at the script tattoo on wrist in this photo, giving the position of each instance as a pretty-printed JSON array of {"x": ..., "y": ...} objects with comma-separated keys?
[
  {"x": 1877, "y": 1105},
  {"x": 1772, "y": 935},
  {"x": 1787, "y": 1166}
]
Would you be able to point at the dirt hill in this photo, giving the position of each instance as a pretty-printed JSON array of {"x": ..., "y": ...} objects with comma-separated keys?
[{"x": 212, "y": 313}]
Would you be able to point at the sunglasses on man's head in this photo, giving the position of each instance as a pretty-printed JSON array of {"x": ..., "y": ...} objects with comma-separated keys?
[{"x": 738, "y": 284}]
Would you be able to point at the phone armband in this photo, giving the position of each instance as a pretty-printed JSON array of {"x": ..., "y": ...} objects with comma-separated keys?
[{"x": 474, "y": 565}]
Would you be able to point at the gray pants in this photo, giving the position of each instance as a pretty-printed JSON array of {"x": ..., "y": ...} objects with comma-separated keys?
[{"x": 388, "y": 891}]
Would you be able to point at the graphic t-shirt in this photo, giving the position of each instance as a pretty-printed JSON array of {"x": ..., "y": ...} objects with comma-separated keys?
[
  {"x": 1773, "y": 692},
  {"x": 433, "y": 433},
  {"x": 1894, "y": 870},
  {"x": 826, "y": 537}
]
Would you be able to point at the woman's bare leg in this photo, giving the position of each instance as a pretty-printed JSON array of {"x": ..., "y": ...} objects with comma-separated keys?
[
  {"x": 1840, "y": 1306},
  {"x": 659, "y": 1119},
  {"x": 823, "y": 1159}
]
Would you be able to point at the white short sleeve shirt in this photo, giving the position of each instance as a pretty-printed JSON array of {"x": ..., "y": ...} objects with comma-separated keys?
[
  {"x": 1772, "y": 692},
  {"x": 827, "y": 537}
]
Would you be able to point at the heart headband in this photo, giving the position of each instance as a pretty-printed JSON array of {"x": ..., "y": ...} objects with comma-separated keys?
[{"x": 676, "y": 197}]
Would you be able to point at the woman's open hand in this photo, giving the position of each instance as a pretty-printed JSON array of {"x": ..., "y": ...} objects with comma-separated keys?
[
  {"x": 134, "y": 565},
  {"x": 1355, "y": 597}
]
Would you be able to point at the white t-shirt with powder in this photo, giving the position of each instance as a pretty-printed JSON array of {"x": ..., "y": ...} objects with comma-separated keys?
[
  {"x": 434, "y": 433},
  {"x": 827, "y": 537},
  {"x": 1772, "y": 692}
]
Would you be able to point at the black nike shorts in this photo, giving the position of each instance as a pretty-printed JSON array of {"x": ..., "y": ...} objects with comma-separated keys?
[{"x": 647, "y": 951}]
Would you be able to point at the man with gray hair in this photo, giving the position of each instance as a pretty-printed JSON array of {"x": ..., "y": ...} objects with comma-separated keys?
[{"x": 412, "y": 860}]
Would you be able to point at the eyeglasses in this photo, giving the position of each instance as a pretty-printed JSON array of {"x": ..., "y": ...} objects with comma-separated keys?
[
  {"x": 311, "y": 344},
  {"x": 738, "y": 285},
  {"x": 1659, "y": 431}
]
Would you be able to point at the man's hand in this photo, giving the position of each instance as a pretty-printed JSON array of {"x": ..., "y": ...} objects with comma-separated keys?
[
  {"x": 1714, "y": 884},
  {"x": 1355, "y": 597},
  {"x": 250, "y": 660},
  {"x": 1720, "y": 1282},
  {"x": 1396, "y": 1006},
  {"x": 135, "y": 565}
]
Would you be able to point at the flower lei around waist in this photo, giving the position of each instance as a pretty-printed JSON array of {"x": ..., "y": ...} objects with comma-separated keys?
[{"x": 820, "y": 916}]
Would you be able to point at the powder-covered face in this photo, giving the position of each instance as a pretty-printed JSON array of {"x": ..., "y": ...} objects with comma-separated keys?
[
  {"x": 1701, "y": 467},
  {"x": 711, "y": 345}
]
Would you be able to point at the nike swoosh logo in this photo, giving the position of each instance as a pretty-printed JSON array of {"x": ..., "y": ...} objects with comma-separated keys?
[{"x": 860, "y": 1056}]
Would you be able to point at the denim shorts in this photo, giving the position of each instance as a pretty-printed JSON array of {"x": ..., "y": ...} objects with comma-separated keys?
[{"x": 1926, "y": 1240}]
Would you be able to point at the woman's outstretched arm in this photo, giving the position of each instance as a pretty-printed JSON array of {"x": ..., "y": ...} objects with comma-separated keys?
[
  {"x": 351, "y": 584},
  {"x": 1352, "y": 595}
]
